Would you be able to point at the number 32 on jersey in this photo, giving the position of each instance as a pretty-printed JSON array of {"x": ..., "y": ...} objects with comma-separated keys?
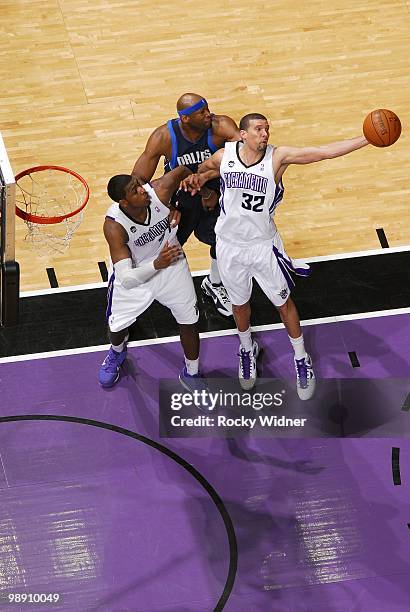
[{"x": 251, "y": 202}]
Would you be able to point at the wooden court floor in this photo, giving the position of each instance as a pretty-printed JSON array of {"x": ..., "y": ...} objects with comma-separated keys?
[{"x": 84, "y": 82}]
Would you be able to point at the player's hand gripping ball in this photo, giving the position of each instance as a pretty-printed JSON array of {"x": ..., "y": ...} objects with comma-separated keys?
[{"x": 382, "y": 127}]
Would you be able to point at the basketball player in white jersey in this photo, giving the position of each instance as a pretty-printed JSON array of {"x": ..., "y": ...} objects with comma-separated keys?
[
  {"x": 248, "y": 243},
  {"x": 148, "y": 265}
]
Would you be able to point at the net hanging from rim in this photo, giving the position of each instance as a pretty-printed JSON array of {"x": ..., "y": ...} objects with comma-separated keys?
[{"x": 51, "y": 201}]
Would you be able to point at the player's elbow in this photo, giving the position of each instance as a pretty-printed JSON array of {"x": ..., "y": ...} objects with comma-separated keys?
[
  {"x": 130, "y": 282},
  {"x": 140, "y": 175},
  {"x": 144, "y": 168},
  {"x": 130, "y": 277}
]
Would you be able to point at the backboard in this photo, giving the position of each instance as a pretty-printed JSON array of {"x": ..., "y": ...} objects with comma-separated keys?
[{"x": 9, "y": 283}]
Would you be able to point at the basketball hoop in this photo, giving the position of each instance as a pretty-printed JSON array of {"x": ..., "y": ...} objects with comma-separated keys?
[{"x": 51, "y": 201}]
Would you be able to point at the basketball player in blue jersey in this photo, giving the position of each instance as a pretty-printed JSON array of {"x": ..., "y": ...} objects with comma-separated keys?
[
  {"x": 187, "y": 141},
  {"x": 248, "y": 243},
  {"x": 148, "y": 265}
]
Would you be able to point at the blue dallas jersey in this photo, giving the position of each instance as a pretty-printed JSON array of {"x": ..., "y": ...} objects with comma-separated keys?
[{"x": 185, "y": 152}]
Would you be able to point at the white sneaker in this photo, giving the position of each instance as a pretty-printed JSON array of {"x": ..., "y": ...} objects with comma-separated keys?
[
  {"x": 219, "y": 296},
  {"x": 247, "y": 366},
  {"x": 305, "y": 377}
]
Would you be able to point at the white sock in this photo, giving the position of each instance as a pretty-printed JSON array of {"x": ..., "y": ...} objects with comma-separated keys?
[
  {"x": 246, "y": 339},
  {"x": 120, "y": 347},
  {"x": 214, "y": 273},
  {"x": 298, "y": 347},
  {"x": 192, "y": 366}
]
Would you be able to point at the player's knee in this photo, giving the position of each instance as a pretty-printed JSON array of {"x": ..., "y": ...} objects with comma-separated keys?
[
  {"x": 189, "y": 329},
  {"x": 242, "y": 309}
]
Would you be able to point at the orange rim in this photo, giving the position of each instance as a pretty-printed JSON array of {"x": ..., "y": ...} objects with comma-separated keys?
[{"x": 49, "y": 220}]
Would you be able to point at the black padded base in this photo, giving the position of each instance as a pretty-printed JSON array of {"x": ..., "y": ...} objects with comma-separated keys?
[{"x": 9, "y": 289}]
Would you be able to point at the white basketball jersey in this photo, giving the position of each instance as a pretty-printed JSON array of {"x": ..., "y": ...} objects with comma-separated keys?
[
  {"x": 145, "y": 240},
  {"x": 249, "y": 196}
]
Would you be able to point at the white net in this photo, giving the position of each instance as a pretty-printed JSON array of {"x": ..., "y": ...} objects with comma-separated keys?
[{"x": 50, "y": 194}]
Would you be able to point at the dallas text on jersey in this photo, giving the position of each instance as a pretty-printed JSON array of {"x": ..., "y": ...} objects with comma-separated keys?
[{"x": 195, "y": 157}]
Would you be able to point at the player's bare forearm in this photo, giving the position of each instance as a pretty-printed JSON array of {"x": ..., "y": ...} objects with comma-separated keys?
[
  {"x": 144, "y": 168},
  {"x": 169, "y": 183},
  {"x": 176, "y": 176},
  {"x": 211, "y": 167},
  {"x": 207, "y": 175},
  {"x": 195, "y": 182},
  {"x": 309, "y": 155},
  {"x": 207, "y": 170},
  {"x": 337, "y": 149}
]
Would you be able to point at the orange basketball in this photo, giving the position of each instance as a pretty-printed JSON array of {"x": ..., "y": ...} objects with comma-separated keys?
[{"x": 382, "y": 127}]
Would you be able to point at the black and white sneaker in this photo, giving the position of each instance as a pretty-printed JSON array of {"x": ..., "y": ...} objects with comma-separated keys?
[
  {"x": 218, "y": 294},
  {"x": 305, "y": 377}
]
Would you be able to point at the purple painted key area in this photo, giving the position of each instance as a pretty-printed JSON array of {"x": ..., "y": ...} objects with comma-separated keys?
[{"x": 113, "y": 524}]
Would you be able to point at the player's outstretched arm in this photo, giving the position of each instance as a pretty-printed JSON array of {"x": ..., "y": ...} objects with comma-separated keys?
[
  {"x": 284, "y": 156},
  {"x": 146, "y": 164},
  {"x": 211, "y": 166},
  {"x": 208, "y": 170},
  {"x": 168, "y": 184}
]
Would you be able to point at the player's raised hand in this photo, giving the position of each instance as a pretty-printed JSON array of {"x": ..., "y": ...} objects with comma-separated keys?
[
  {"x": 193, "y": 183},
  {"x": 167, "y": 256}
]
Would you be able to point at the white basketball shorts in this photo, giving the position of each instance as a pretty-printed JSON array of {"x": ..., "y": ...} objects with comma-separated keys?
[
  {"x": 238, "y": 266},
  {"x": 172, "y": 287}
]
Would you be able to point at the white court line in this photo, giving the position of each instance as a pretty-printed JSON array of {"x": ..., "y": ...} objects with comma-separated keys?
[
  {"x": 48, "y": 291},
  {"x": 213, "y": 334},
  {"x": 399, "y": 249}
]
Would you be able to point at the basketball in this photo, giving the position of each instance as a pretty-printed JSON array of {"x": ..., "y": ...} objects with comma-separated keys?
[{"x": 382, "y": 127}]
